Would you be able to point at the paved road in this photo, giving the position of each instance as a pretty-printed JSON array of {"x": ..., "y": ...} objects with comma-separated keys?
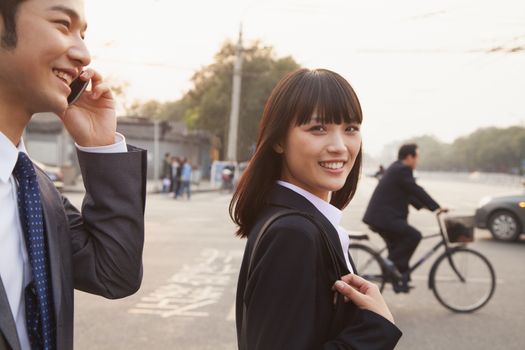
[{"x": 191, "y": 260}]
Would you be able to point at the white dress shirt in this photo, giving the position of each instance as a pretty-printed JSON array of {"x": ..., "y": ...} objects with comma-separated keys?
[
  {"x": 330, "y": 212},
  {"x": 15, "y": 270}
]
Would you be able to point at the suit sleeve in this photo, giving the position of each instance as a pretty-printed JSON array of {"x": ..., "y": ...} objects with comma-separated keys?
[
  {"x": 369, "y": 331},
  {"x": 417, "y": 193},
  {"x": 282, "y": 299},
  {"x": 415, "y": 202},
  {"x": 108, "y": 235}
]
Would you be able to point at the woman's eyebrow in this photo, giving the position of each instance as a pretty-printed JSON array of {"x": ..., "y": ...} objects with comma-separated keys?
[{"x": 68, "y": 11}]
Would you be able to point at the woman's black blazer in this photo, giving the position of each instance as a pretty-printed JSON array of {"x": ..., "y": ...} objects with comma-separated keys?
[{"x": 289, "y": 297}]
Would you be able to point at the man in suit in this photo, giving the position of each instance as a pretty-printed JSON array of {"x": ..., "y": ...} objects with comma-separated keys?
[
  {"x": 387, "y": 211},
  {"x": 48, "y": 247}
]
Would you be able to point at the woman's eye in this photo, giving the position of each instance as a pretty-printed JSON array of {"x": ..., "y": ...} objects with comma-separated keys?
[
  {"x": 64, "y": 23},
  {"x": 317, "y": 128},
  {"x": 352, "y": 129}
]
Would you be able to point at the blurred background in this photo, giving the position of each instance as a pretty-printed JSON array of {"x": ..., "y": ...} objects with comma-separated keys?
[{"x": 191, "y": 80}]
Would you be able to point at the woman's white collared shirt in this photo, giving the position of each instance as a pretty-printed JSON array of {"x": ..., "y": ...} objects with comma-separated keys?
[{"x": 330, "y": 212}]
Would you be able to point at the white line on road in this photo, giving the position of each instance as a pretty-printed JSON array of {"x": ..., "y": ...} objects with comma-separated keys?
[{"x": 194, "y": 287}]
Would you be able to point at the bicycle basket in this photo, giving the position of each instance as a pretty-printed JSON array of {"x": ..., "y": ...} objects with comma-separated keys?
[{"x": 460, "y": 229}]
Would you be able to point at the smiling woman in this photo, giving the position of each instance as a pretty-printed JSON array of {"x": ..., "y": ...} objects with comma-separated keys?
[
  {"x": 288, "y": 204},
  {"x": 311, "y": 117}
]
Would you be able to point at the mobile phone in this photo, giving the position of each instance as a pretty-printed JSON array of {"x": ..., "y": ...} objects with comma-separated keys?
[{"x": 77, "y": 88}]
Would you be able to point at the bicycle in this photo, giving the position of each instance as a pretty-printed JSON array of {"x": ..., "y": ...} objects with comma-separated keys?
[{"x": 462, "y": 279}]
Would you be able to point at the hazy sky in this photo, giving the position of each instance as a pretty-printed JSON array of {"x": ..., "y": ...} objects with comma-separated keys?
[{"x": 419, "y": 67}]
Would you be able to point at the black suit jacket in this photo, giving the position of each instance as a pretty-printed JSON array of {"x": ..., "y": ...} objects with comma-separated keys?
[
  {"x": 289, "y": 295},
  {"x": 98, "y": 251},
  {"x": 396, "y": 190}
]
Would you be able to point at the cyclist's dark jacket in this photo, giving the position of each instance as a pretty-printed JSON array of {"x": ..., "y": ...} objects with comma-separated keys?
[{"x": 394, "y": 192}]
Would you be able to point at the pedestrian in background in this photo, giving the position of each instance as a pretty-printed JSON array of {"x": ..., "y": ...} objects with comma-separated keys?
[
  {"x": 175, "y": 171},
  {"x": 304, "y": 171},
  {"x": 227, "y": 176},
  {"x": 380, "y": 172},
  {"x": 185, "y": 177},
  {"x": 167, "y": 173}
]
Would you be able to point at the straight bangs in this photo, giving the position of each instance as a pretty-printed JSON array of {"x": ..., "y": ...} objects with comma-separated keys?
[{"x": 326, "y": 97}]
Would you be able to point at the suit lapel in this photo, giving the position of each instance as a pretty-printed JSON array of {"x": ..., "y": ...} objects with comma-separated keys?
[
  {"x": 50, "y": 199},
  {"x": 49, "y": 203},
  {"x": 7, "y": 323},
  {"x": 284, "y": 197}
]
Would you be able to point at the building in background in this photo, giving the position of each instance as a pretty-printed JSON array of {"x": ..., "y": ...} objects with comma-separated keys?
[{"x": 47, "y": 142}]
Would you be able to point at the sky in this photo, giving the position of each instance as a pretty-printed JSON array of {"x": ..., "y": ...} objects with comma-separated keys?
[{"x": 418, "y": 67}]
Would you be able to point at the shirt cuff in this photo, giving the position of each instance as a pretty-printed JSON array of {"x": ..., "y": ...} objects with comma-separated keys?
[{"x": 118, "y": 147}]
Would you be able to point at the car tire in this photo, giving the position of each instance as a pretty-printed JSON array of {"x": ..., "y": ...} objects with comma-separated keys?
[{"x": 504, "y": 226}]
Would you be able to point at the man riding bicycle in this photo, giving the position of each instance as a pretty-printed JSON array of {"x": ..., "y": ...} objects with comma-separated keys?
[{"x": 387, "y": 212}]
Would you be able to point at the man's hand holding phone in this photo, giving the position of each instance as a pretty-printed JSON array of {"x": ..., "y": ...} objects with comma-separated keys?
[{"x": 91, "y": 119}]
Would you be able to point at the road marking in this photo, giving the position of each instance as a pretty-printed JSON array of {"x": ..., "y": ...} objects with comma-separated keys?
[{"x": 193, "y": 288}]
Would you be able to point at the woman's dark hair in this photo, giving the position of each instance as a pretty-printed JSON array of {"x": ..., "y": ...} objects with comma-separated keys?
[
  {"x": 407, "y": 150},
  {"x": 295, "y": 99},
  {"x": 8, "y": 10}
]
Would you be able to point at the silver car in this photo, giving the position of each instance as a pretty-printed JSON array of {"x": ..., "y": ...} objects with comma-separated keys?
[{"x": 503, "y": 216}]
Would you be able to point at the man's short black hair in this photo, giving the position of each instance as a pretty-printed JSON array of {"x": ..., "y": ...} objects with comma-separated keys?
[
  {"x": 8, "y": 10},
  {"x": 407, "y": 150}
]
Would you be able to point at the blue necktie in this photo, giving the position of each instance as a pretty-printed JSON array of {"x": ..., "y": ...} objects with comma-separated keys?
[{"x": 40, "y": 316}]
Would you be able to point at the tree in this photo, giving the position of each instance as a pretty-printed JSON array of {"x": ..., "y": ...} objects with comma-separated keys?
[
  {"x": 487, "y": 149},
  {"x": 148, "y": 109},
  {"x": 435, "y": 155},
  {"x": 207, "y": 105}
]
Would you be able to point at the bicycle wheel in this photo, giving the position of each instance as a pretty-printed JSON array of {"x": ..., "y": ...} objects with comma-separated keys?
[
  {"x": 367, "y": 263},
  {"x": 467, "y": 291}
]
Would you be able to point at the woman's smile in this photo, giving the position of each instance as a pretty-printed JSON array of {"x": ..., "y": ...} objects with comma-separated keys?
[{"x": 333, "y": 165}]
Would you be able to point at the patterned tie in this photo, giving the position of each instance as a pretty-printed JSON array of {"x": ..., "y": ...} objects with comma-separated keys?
[{"x": 38, "y": 294}]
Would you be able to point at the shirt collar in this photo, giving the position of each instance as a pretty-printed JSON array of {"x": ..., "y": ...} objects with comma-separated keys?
[
  {"x": 328, "y": 210},
  {"x": 8, "y": 156}
]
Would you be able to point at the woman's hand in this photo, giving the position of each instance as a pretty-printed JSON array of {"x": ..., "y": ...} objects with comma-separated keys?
[
  {"x": 364, "y": 294},
  {"x": 91, "y": 121}
]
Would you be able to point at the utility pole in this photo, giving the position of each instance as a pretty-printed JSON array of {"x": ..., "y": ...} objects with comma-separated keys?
[{"x": 236, "y": 100}]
